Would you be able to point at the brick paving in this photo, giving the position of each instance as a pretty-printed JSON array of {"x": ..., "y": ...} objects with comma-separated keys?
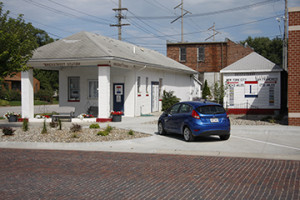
[{"x": 52, "y": 174}]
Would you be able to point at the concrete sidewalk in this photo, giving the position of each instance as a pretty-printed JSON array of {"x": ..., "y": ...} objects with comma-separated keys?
[{"x": 273, "y": 142}]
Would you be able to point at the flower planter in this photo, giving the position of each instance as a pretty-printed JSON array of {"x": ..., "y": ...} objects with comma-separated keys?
[
  {"x": 13, "y": 118},
  {"x": 116, "y": 118}
]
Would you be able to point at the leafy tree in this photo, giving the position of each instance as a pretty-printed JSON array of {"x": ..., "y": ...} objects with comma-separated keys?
[
  {"x": 205, "y": 91},
  {"x": 17, "y": 42},
  {"x": 270, "y": 49},
  {"x": 219, "y": 92},
  {"x": 168, "y": 100}
]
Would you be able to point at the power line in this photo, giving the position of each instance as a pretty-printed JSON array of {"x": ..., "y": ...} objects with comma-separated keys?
[
  {"x": 208, "y": 13},
  {"x": 63, "y": 13}
]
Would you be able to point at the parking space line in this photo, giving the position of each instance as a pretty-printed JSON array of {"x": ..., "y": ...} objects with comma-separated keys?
[{"x": 269, "y": 143}]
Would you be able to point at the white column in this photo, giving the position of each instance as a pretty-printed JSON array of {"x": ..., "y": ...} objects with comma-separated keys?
[
  {"x": 27, "y": 94},
  {"x": 103, "y": 91}
]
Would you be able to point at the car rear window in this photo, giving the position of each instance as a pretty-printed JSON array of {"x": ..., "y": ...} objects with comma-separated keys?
[{"x": 211, "y": 109}]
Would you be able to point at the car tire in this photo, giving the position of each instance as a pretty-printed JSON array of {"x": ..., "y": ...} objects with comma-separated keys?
[
  {"x": 224, "y": 137},
  {"x": 161, "y": 130},
  {"x": 187, "y": 135}
]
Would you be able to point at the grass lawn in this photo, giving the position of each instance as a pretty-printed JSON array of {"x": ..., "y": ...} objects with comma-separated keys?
[{"x": 18, "y": 103}]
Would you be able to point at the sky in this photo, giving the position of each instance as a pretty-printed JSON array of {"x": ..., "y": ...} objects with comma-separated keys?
[{"x": 152, "y": 22}]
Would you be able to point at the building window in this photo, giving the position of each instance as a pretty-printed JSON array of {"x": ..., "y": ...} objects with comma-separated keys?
[
  {"x": 93, "y": 89},
  {"x": 74, "y": 88},
  {"x": 147, "y": 84},
  {"x": 201, "y": 54},
  {"x": 139, "y": 84},
  {"x": 160, "y": 87},
  {"x": 182, "y": 54}
]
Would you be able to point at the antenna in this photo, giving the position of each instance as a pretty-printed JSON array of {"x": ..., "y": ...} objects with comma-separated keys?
[
  {"x": 181, "y": 16},
  {"x": 213, "y": 28},
  {"x": 119, "y": 16}
]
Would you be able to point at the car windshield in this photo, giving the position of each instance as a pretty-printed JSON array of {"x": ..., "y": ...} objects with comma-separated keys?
[{"x": 211, "y": 109}]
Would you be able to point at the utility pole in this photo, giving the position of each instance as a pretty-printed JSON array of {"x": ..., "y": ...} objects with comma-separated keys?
[
  {"x": 213, "y": 28},
  {"x": 119, "y": 16},
  {"x": 181, "y": 16},
  {"x": 284, "y": 48}
]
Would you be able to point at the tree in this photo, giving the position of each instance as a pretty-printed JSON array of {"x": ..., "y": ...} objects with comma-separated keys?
[
  {"x": 205, "y": 91},
  {"x": 270, "y": 49},
  {"x": 219, "y": 92},
  {"x": 17, "y": 42},
  {"x": 168, "y": 100}
]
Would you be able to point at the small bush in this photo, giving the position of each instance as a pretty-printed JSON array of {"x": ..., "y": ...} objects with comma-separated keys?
[
  {"x": 75, "y": 135},
  {"x": 12, "y": 95},
  {"x": 75, "y": 128},
  {"x": 103, "y": 133},
  {"x": 130, "y": 132},
  {"x": 44, "y": 130},
  {"x": 8, "y": 131},
  {"x": 95, "y": 126},
  {"x": 53, "y": 124},
  {"x": 25, "y": 125},
  {"x": 108, "y": 129},
  {"x": 45, "y": 95}
]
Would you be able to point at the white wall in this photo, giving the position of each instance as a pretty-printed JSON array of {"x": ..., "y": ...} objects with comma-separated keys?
[
  {"x": 183, "y": 85},
  {"x": 240, "y": 83}
]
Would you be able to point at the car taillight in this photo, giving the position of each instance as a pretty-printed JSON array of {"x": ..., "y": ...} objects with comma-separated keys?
[{"x": 195, "y": 115}]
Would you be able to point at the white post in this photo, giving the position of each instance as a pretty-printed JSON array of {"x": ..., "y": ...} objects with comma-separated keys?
[
  {"x": 103, "y": 91},
  {"x": 27, "y": 94}
]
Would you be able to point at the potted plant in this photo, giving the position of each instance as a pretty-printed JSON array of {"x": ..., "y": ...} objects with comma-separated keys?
[
  {"x": 116, "y": 116},
  {"x": 12, "y": 116}
]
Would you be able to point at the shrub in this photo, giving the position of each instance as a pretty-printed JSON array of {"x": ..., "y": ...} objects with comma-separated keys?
[
  {"x": 130, "y": 132},
  {"x": 44, "y": 130},
  {"x": 108, "y": 128},
  {"x": 25, "y": 125},
  {"x": 8, "y": 131},
  {"x": 12, "y": 95},
  {"x": 75, "y": 135},
  {"x": 206, "y": 91},
  {"x": 75, "y": 128},
  {"x": 103, "y": 133},
  {"x": 94, "y": 126},
  {"x": 168, "y": 100},
  {"x": 45, "y": 95}
]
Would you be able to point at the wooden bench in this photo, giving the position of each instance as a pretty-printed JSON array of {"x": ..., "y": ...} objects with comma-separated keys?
[{"x": 62, "y": 116}]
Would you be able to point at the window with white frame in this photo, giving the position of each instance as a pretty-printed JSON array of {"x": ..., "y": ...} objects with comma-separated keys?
[
  {"x": 201, "y": 54},
  {"x": 160, "y": 87},
  {"x": 182, "y": 55},
  {"x": 73, "y": 88},
  {"x": 93, "y": 89},
  {"x": 147, "y": 84}
]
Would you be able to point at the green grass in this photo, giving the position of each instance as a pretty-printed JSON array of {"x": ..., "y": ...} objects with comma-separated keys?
[{"x": 18, "y": 103}]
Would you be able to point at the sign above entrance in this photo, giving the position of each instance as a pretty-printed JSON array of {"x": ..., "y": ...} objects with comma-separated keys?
[{"x": 62, "y": 64}]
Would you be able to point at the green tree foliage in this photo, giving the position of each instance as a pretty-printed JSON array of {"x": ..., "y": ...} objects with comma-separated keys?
[
  {"x": 219, "y": 92},
  {"x": 168, "y": 100},
  {"x": 205, "y": 91},
  {"x": 17, "y": 42},
  {"x": 270, "y": 49},
  {"x": 48, "y": 79}
]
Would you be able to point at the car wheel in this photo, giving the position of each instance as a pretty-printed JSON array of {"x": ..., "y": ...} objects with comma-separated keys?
[
  {"x": 187, "y": 135},
  {"x": 161, "y": 130},
  {"x": 224, "y": 137}
]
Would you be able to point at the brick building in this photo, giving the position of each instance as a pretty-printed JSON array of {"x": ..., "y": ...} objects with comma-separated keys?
[
  {"x": 294, "y": 66},
  {"x": 208, "y": 58},
  {"x": 14, "y": 83}
]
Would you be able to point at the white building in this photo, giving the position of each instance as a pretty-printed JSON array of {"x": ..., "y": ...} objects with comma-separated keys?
[
  {"x": 110, "y": 75},
  {"x": 252, "y": 85}
]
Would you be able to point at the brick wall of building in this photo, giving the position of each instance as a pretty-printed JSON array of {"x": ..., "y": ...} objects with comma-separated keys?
[
  {"x": 217, "y": 54},
  {"x": 294, "y": 67}
]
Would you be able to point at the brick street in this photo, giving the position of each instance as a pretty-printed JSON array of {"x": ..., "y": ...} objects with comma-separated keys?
[{"x": 52, "y": 174}]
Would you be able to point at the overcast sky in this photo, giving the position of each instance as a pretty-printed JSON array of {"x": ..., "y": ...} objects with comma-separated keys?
[{"x": 150, "y": 20}]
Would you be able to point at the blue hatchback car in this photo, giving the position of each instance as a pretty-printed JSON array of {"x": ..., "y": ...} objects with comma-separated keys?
[{"x": 195, "y": 118}]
